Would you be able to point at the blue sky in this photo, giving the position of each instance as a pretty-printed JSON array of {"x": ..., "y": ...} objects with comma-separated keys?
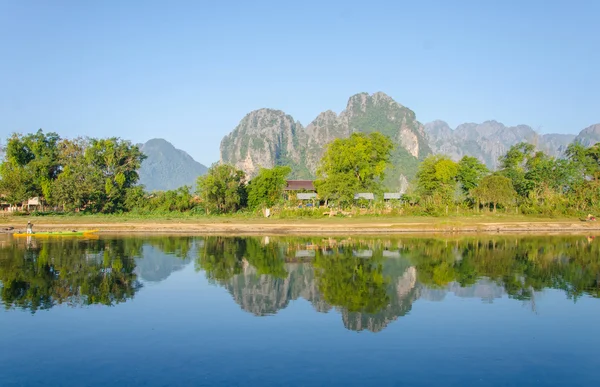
[{"x": 188, "y": 71}]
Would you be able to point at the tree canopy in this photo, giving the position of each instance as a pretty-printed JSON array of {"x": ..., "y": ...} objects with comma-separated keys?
[
  {"x": 352, "y": 165},
  {"x": 267, "y": 187},
  {"x": 436, "y": 177},
  {"x": 222, "y": 189},
  {"x": 494, "y": 190},
  {"x": 91, "y": 174}
]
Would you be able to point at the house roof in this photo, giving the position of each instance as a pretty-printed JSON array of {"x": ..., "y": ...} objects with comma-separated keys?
[
  {"x": 299, "y": 185},
  {"x": 364, "y": 195}
]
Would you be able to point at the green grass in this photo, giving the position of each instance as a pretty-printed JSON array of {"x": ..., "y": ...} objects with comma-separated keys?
[{"x": 252, "y": 218}]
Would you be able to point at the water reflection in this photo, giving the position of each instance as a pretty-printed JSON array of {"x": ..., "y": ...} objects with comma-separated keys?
[
  {"x": 371, "y": 282},
  {"x": 40, "y": 275}
]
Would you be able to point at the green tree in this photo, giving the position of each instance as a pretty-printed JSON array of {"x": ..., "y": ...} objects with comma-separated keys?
[
  {"x": 30, "y": 166},
  {"x": 513, "y": 165},
  {"x": 470, "y": 173},
  {"x": 117, "y": 163},
  {"x": 586, "y": 159},
  {"x": 437, "y": 178},
  {"x": 267, "y": 187},
  {"x": 494, "y": 190},
  {"x": 222, "y": 189},
  {"x": 79, "y": 182},
  {"x": 352, "y": 165}
]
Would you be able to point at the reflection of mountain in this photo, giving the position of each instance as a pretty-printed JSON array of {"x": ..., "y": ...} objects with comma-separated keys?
[
  {"x": 371, "y": 290},
  {"x": 484, "y": 289},
  {"x": 156, "y": 266},
  {"x": 265, "y": 294}
]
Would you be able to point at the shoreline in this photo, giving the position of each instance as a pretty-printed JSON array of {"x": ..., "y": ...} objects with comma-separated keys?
[{"x": 309, "y": 227}]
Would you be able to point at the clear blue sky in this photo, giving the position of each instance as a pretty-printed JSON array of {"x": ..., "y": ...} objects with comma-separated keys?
[{"x": 188, "y": 71}]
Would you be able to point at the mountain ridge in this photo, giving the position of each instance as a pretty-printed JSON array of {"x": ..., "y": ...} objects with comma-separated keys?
[
  {"x": 490, "y": 139},
  {"x": 270, "y": 137}
]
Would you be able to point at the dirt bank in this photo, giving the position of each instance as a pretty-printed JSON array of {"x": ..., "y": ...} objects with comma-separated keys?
[{"x": 308, "y": 227}]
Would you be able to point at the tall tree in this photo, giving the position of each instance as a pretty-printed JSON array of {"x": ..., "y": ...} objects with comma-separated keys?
[
  {"x": 436, "y": 177},
  {"x": 494, "y": 190},
  {"x": 352, "y": 165},
  {"x": 222, "y": 189},
  {"x": 80, "y": 182},
  {"x": 30, "y": 165},
  {"x": 513, "y": 165},
  {"x": 117, "y": 162},
  {"x": 267, "y": 187},
  {"x": 587, "y": 159},
  {"x": 470, "y": 173}
]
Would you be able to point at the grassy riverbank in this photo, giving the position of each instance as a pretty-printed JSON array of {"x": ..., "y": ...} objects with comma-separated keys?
[{"x": 244, "y": 224}]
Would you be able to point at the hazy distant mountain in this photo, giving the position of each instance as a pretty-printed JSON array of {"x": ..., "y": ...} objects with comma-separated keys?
[
  {"x": 589, "y": 136},
  {"x": 167, "y": 167},
  {"x": 156, "y": 265},
  {"x": 489, "y": 140}
]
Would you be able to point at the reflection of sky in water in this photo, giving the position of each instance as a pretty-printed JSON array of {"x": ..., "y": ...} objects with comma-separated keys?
[{"x": 185, "y": 331}]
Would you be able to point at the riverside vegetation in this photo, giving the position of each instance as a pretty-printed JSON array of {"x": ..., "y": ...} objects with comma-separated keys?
[{"x": 100, "y": 176}]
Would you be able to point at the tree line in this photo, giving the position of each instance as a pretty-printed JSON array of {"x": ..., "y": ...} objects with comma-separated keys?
[
  {"x": 527, "y": 181},
  {"x": 101, "y": 176},
  {"x": 89, "y": 174}
]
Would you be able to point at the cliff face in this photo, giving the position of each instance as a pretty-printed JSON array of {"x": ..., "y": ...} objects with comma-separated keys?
[{"x": 265, "y": 138}]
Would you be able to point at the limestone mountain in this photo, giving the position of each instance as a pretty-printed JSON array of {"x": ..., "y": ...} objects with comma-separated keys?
[
  {"x": 167, "y": 167},
  {"x": 589, "y": 136},
  {"x": 266, "y": 138},
  {"x": 489, "y": 140}
]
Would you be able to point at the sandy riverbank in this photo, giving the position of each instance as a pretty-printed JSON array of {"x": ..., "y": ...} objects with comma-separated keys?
[{"x": 307, "y": 226}]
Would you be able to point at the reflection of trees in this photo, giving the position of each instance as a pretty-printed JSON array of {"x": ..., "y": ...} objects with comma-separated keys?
[
  {"x": 353, "y": 283},
  {"x": 221, "y": 258},
  {"x": 68, "y": 271},
  {"x": 268, "y": 259},
  {"x": 178, "y": 246},
  {"x": 373, "y": 282},
  {"x": 401, "y": 290},
  {"x": 521, "y": 266},
  {"x": 370, "y": 292}
]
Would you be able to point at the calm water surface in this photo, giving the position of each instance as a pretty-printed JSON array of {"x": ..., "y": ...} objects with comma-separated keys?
[{"x": 158, "y": 311}]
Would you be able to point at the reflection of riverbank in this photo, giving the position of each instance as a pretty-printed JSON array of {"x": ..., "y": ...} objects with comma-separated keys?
[{"x": 371, "y": 282}]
